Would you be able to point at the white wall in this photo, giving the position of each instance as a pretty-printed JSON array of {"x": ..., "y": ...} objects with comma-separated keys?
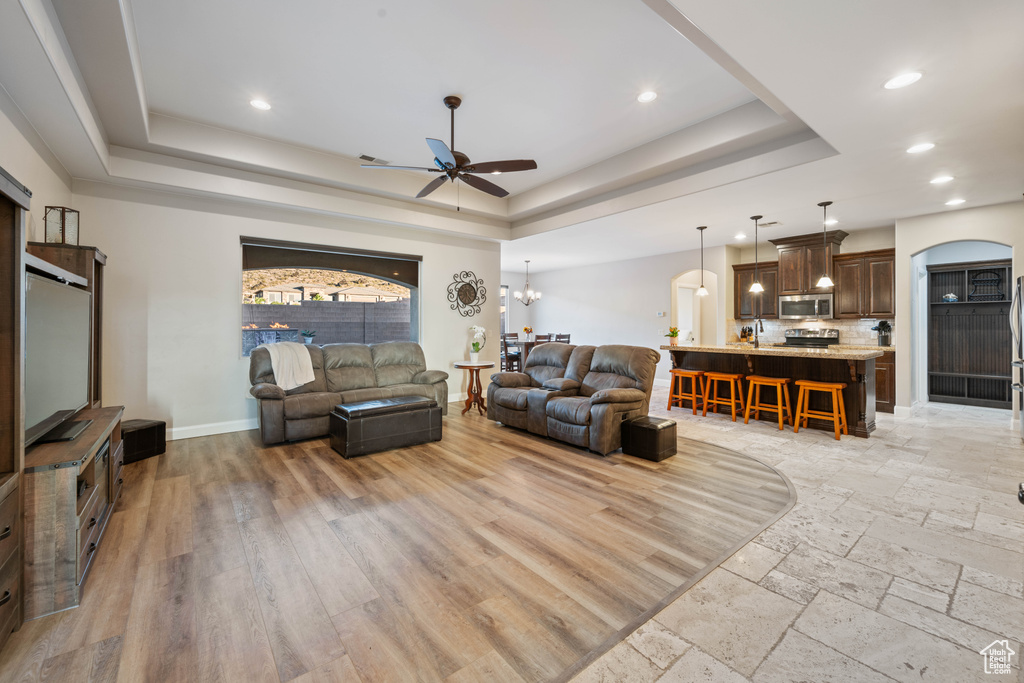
[
  {"x": 172, "y": 314},
  {"x": 24, "y": 155},
  {"x": 999, "y": 223},
  {"x": 617, "y": 303}
]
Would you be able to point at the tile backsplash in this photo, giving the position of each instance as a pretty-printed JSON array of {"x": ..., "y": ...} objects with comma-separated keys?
[{"x": 850, "y": 331}]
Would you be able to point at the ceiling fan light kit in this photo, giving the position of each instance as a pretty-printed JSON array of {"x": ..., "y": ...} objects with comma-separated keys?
[{"x": 456, "y": 165}]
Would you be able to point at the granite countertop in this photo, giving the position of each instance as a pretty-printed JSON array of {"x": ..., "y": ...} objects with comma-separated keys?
[
  {"x": 842, "y": 353},
  {"x": 862, "y": 347}
]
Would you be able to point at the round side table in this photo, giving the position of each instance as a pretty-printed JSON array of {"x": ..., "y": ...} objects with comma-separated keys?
[{"x": 475, "y": 397}]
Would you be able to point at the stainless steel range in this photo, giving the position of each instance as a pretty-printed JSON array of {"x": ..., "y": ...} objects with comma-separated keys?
[{"x": 812, "y": 338}]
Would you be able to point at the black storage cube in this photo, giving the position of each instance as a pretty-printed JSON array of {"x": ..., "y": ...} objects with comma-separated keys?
[
  {"x": 143, "y": 439},
  {"x": 374, "y": 426},
  {"x": 650, "y": 438}
]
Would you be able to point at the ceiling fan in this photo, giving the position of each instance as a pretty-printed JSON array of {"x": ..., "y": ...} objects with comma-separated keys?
[{"x": 452, "y": 164}]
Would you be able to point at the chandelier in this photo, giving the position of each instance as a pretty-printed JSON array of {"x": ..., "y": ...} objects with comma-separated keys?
[{"x": 527, "y": 296}]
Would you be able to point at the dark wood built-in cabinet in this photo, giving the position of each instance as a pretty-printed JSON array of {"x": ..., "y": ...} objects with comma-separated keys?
[
  {"x": 747, "y": 305},
  {"x": 865, "y": 284},
  {"x": 969, "y": 338},
  {"x": 14, "y": 203},
  {"x": 803, "y": 259},
  {"x": 885, "y": 383}
]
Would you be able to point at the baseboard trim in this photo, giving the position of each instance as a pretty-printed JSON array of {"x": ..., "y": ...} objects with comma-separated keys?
[
  {"x": 901, "y": 411},
  {"x": 662, "y": 382},
  {"x": 175, "y": 433}
]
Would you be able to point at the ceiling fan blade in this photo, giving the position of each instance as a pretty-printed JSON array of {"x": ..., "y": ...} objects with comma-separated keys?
[
  {"x": 401, "y": 168},
  {"x": 502, "y": 166},
  {"x": 432, "y": 185},
  {"x": 441, "y": 151},
  {"x": 483, "y": 185}
]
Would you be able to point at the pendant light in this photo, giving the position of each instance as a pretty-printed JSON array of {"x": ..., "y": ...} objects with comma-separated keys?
[
  {"x": 756, "y": 288},
  {"x": 825, "y": 280},
  {"x": 527, "y": 296},
  {"x": 702, "y": 290}
]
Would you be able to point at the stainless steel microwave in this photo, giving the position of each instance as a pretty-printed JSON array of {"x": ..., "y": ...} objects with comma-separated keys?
[{"x": 805, "y": 306}]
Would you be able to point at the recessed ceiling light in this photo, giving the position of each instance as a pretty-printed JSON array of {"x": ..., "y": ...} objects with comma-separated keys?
[
  {"x": 262, "y": 105},
  {"x": 831, "y": 221},
  {"x": 741, "y": 236},
  {"x": 495, "y": 172},
  {"x": 955, "y": 202},
  {"x": 923, "y": 147},
  {"x": 941, "y": 179},
  {"x": 648, "y": 96},
  {"x": 902, "y": 81}
]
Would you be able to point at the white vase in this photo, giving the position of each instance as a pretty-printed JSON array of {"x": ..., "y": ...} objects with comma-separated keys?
[
  {"x": 474, "y": 357},
  {"x": 308, "y": 340}
]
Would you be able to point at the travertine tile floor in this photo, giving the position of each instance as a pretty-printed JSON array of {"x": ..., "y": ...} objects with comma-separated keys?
[{"x": 902, "y": 559}]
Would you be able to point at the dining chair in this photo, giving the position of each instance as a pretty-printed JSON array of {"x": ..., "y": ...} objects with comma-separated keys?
[
  {"x": 562, "y": 338},
  {"x": 542, "y": 338},
  {"x": 511, "y": 361}
]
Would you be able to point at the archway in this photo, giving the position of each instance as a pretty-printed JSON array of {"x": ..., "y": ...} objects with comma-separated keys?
[
  {"x": 958, "y": 251},
  {"x": 696, "y": 314}
]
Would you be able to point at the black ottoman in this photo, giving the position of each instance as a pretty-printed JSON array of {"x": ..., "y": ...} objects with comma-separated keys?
[
  {"x": 374, "y": 426},
  {"x": 650, "y": 438},
  {"x": 143, "y": 439}
]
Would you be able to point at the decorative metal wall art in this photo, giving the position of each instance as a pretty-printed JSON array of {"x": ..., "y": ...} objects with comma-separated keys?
[{"x": 467, "y": 293}]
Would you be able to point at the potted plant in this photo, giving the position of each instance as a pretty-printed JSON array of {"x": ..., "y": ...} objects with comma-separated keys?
[
  {"x": 673, "y": 336},
  {"x": 308, "y": 335},
  {"x": 884, "y": 329},
  {"x": 478, "y": 342}
]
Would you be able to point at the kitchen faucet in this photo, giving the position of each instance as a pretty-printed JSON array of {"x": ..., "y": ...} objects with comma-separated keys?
[{"x": 758, "y": 324}]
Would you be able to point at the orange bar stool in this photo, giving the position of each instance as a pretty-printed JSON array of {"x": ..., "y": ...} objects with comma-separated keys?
[
  {"x": 711, "y": 381},
  {"x": 754, "y": 384},
  {"x": 803, "y": 400},
  {"x": 677, "y": 394}
]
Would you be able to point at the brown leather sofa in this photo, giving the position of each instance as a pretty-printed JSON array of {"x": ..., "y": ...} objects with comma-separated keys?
[
  {"x": 343, "y": 373},
  {"x": 577, "y": 394}
]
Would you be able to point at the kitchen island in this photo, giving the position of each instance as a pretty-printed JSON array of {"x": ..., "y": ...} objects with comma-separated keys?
[{"x": 855, "y": 367}]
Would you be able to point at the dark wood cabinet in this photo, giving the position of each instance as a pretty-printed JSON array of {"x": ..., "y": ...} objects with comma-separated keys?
[
  {"x": 14, "y": 203},
  {"x": 747, "y": 305},
  {"x": 86, "y": 262},
  {"x": 885, "y": 383},
  {"x": 802, "y": 260},
  {"x": 865, "y": 284},
  {"x": 880, "y": 285},
  {"x": 970, "y": 344}
]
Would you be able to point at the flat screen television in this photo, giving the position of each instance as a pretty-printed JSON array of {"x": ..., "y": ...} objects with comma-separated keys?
[{"x": 57, "y": 333}]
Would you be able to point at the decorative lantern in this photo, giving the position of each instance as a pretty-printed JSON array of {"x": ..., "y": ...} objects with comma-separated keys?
[{"x": 61, "y": 225}]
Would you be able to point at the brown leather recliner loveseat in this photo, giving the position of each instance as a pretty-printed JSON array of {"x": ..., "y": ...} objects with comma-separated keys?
[
  {"x": 344, "y": 373},
  {"x": 577, "y": 394}
]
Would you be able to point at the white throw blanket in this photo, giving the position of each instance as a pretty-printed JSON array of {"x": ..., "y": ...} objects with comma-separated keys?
[{"x": 291, "y": 363}]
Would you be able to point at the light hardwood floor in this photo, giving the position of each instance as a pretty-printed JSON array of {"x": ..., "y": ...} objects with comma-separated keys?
[{"x": 491, "y": 555}]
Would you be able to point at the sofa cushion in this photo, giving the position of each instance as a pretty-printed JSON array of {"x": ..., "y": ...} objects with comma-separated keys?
[
  {"x": 547, "y": 361},
  {"x": 262, "y": 372},
  {"x": 571, "y": 409},
  {"x": 509, "y": 397},
  {"x": 397, "y": 362},
  {"x": 301, "y": 406},
  {"x": 621, "y": 367},
  {"x": 348, "y": 366}
]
